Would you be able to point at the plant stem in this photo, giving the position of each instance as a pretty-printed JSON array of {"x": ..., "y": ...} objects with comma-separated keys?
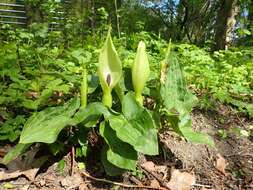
[
  {"x": 84, "y": 88},
  {"x": 107, "y": 99},
  {"x": 117, "y": 17},
  {"x": 139, "y": 98}
]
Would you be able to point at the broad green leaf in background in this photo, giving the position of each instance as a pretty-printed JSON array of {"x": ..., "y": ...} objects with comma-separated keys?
[
  {"x": 137, "y": 127},
  {"x": 174, "y": 93},
  {"x": 140, "y": 71},
  {"x": 109, "y": 69},
  {"x": 45, "y": 126},
  {"x": 119, "y": 153},
  {"x": 178, "y": 102}
]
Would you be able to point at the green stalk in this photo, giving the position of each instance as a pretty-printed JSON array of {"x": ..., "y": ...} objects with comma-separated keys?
[
  {"x": 168, "y": 50},
  {"x": 84, "y": 88},
  {"x": 139, "y": 98},
  {"x": 107, "y": 99},
  {"x": 164, "y": 65}
]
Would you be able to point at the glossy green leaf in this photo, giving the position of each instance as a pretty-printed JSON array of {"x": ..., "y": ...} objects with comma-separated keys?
[
  {"x": 137, "y": 127},
  {"x": 92, "y": 111},
  {"x": 119, "y": 153},
  {"x": 109, "y": 69},
  {"x": 45, "y": 126},
  {"x": 140, "y": 71},
  {"x": 110, "y": 169}
]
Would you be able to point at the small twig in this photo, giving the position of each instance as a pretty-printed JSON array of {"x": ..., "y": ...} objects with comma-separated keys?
[
  {"x": 200, "y": 185},
  {"x": 136, "y": 181},
  {"x": 156, "y": 177},
  {"x": 239, "y": 154},
  {"x": 120, "y": 184},
  {"x": 72, "y": 160}
]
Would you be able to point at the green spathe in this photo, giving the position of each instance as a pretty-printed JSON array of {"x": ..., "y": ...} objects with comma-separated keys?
[
  {"x": 140, "y": 71},
  {"x": 109, "y": 69}
]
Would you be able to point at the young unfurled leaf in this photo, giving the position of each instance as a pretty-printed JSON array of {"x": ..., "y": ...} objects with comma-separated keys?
[
  {"x": 140, "y": 71},
  {"x": 109, "y": 69}
]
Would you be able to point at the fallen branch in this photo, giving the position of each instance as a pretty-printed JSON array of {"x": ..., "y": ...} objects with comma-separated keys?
[{"x": 120, "y": 184}]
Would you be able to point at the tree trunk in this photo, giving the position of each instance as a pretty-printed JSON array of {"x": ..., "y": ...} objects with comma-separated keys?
[
  {"x": 225, "y": 22},
  {"x": 117, "y": 17},
  {"x": 34, "y": 12},
  {"x": 250, "y": 15}
]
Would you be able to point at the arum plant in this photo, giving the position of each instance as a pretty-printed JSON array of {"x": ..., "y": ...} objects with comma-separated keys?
[
  {"x": 140, "y": 71},
  {"x": 109, "y": 69}
]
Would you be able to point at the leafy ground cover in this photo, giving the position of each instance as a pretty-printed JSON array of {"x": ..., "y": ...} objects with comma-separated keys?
[{"x": 78, "y": 104}]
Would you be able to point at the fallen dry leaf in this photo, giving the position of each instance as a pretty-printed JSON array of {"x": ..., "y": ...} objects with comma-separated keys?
[
  {"x": 26, "y": 187},
  {"x": 83, "y": 186},
  {"x": 71, "y": 182},
  {"x": 154, "y": 183},
  {"x": 25, "y": 165},
  {"x": 181, "y": 180},
  {"x": 30, "y": 174},
  {"x": 221, "y": 164},
  {"x": 149, "y": 166}
]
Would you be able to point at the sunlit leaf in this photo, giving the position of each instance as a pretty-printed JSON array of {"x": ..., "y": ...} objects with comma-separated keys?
[
  {"x": 136, "y": 128},
  {"x": 174, "y": 93},
  {"x": 45, "y": 126},
  {"x": 110, "y": 169},
  {"x": 86, "y": 114},
  {"x": 119, "y": 153}
]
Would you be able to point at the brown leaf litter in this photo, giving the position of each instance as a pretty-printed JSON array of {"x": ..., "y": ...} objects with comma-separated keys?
[
  {"x": 181, "y": 166},
  {"x": 26, "y": 165}
]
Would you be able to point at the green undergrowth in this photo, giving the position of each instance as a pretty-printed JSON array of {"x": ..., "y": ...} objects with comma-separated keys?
[
  {"x": 52, "y": 94},
  {"x": 226, "y": 76}
]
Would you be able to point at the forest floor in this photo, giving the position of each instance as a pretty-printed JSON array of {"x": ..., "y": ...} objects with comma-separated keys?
[{"x": 180, "y": 166}]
